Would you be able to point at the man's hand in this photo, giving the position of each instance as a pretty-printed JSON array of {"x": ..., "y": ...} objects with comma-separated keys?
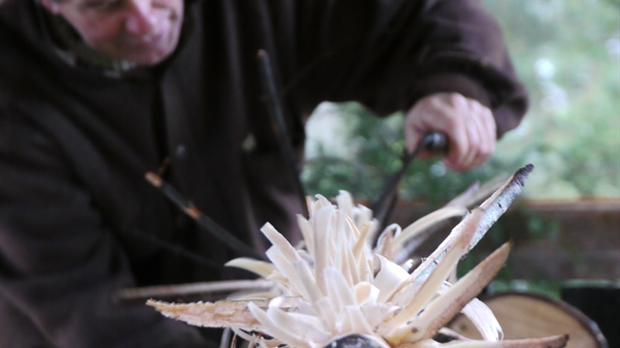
[{"x": 469, "y": 126}]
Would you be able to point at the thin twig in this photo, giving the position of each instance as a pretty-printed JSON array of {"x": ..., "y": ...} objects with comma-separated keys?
[{"x": 204, "y": 221}]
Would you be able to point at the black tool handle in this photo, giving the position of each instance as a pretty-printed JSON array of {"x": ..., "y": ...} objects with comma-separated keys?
[{"x": 435, "y": 142}]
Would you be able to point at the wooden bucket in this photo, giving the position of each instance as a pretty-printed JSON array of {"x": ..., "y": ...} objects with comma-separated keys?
[{"x": 527, "y": 315}]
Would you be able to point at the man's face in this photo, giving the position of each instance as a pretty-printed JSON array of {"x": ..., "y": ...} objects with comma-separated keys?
[{"x": 141, "y": 31}]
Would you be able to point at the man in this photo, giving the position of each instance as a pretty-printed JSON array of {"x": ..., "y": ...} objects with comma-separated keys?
[{"x": 95, "y": 93}]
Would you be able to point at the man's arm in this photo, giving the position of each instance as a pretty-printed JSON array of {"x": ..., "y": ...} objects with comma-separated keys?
[
  {"x": 59, "y": 265},
  {"x": 443, "y": 61},
  {"x": 468, "y": 87}
]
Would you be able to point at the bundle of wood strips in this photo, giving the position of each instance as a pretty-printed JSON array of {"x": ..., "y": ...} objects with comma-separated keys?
[{"x": 336, "y": 284}]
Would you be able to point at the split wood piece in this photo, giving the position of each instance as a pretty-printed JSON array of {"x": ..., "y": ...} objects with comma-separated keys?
[
  {"x": 224, "y": 313},
  {"x": 417, "y": 233},
  {"x": 494, "y": 207},
  {"x": 446, "y": 306},
  {"x": 423, "y": 296},
  {"x": 180, "y": 290}
]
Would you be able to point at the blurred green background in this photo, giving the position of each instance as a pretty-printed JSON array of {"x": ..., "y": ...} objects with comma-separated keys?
[{"x": 568, "y": 55}]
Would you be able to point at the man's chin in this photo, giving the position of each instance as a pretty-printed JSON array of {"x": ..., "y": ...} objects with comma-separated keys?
[
  {"x": 151, "y": 61},
  {"x": 148, "y": 59}
]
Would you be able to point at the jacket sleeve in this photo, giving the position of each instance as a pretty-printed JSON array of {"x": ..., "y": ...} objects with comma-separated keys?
[
  {"x": 389, "y": 54},
  {"x": 465, "y": 52},
  {"x": 58, "y": 263}
]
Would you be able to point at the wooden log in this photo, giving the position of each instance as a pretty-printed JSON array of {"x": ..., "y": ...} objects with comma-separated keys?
[{"x": 528, "y": 315}]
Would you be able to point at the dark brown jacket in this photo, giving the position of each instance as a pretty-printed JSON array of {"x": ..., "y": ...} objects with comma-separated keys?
[{"x": 75, "y": 144}]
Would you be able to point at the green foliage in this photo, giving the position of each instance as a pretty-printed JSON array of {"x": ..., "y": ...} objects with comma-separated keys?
[
  {"x": 551, "y": 288},
  {"x": 568, "y": 55},
  {"x": 374, "y": 145},
  {"x": 379, "y": 145}
]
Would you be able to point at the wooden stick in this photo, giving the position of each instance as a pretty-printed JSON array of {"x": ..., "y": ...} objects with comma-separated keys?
[
  {"x": 276, "y": 116},
  {"x": 145, "y": 293},
  {"x": 204, "y": 221}
]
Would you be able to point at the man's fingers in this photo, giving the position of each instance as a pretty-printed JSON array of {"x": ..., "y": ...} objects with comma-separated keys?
[
  {"x": 469, "y": 126},
  {"x": 454, "y": 126},
  {"x": 481, "y": 136},
  {"x": 474, "y": 139},
  {"x": 477, "y": 139},
  {"x": 412, "y": 137},
  {"x": 482, "y": 118},
  {"x": 459, "y": 147}
]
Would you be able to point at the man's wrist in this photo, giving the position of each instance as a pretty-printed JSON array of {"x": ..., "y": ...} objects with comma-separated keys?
[{"x": 450, "y": 83}]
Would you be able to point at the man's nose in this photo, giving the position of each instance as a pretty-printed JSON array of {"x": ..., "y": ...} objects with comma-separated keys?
[{"x": 140, "y": 18}]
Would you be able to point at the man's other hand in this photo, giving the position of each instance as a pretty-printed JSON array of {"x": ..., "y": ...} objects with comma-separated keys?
[{"x": 469, "y": 126}]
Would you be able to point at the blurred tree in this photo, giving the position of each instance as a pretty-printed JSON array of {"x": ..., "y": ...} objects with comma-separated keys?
[{"x": 568, "y": 55}]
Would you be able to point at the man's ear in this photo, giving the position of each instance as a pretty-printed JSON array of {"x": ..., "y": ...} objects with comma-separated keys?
[{"x": 50, "y": 5}]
